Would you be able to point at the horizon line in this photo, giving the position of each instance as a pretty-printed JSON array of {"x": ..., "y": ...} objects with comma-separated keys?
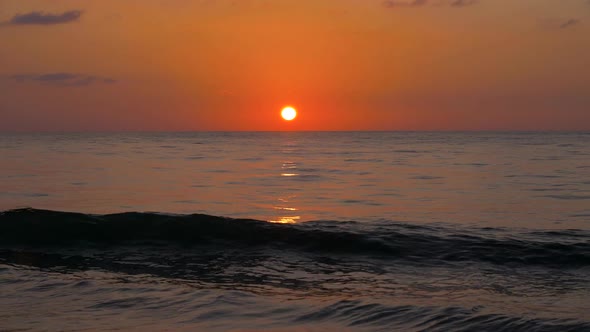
[{"x": 299, "y": 131}]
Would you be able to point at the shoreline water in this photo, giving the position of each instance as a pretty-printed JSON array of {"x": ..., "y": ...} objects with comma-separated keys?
[{"x": 219, "y": 274}]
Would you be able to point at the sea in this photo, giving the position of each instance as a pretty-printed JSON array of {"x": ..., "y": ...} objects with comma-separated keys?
[{"x": 295, "y": 231}]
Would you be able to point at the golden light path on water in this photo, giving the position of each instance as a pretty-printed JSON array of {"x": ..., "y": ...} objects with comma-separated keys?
[
  {"x": 286, "y": 220},
  {"x": 287, "y": 170}
]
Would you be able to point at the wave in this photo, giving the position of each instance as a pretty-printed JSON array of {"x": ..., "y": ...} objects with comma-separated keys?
[
  {"x": 386, "y": 240},
  {"x": 374, "y": 316}
]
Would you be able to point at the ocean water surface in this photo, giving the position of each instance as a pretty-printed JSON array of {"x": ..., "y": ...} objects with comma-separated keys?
[{"x": 295, "y": 231}]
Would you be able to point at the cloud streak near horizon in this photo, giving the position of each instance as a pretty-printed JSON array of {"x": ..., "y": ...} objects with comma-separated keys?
[
  {"x": 62, "y": 79},
  {"x": 423, "y": 3},
  {"x": 42, "y": 18},
  {"x": 559, "y": 24},
  {"x": 569, "y": 23}
]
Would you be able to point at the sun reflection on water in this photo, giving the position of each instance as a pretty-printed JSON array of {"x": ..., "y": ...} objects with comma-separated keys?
[
  {"x": 287, "y": 170},
  {"x": 287, "y": 209},
  {"x": 286, "y": 220}
]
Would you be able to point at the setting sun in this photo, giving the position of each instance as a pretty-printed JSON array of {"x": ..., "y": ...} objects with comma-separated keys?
[{"x": 288, "y": 113}]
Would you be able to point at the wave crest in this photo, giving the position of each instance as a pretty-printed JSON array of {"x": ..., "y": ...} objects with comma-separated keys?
[{"x": 419, "y": 244}]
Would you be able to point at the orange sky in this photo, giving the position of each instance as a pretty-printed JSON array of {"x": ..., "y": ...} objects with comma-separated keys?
[{"x": 345, "y": 64}]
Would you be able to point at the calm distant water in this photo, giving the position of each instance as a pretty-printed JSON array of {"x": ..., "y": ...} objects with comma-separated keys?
[
  {"x": 369, "y": 231},
  {"x": 539, "y": 180}
]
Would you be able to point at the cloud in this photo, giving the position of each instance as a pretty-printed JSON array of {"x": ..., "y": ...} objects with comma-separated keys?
[
  {"x": 569, "y": 23},
  {"x": 462, "y": 3},
  {"x": 62, "y": 79},
  {"x": 41, "y": 18},
  {"x": 404, "y": 3},
  {"x": 422, "y": 3},
  {"x": 559, "y": 23}
]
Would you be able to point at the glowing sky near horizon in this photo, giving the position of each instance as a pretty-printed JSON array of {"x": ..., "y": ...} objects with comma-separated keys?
[{"x": 109, "y": 65}]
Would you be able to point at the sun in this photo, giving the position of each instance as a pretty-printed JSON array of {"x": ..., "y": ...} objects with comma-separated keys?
[{"x": 289, "y": 113}]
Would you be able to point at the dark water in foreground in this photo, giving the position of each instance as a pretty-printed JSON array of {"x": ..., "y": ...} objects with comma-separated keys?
[
  {"x": 368, "y": 232},
  {"x": 152, "y": 271}
]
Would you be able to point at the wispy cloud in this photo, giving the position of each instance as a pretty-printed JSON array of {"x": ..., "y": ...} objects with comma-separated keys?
[
  {"x": 62, "y": 79},
  {"x": 41, "y": 18},
  {"x": 559, "y": 23},
  {"x": 423, "y": 3},
  {"x": 404, "y": 3},
  {"x": 462, "y": 3},
  {"x": 569, "y": 23}
]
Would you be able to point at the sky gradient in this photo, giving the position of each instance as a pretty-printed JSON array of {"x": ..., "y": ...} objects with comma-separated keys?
[{"x": 114, "y": 65}]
